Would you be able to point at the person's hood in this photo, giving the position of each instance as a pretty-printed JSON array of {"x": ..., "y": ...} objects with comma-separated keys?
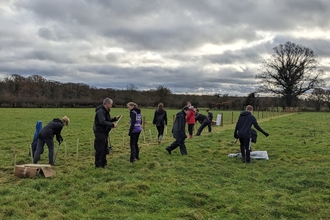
[
  {"x": 160, "y": 110},
  {"x": 137, "y": 110},
  {"x": 57, "y": 120},
  {"x": 245, "y": 113},
  {"x": 100, "y": 107}
]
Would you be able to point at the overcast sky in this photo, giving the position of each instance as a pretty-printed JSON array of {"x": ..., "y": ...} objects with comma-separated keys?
[{"x": 188, "y": 46}]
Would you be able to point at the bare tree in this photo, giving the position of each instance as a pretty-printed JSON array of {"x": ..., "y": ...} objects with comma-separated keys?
[
  {"x": 54, "y": 90},
  {"x": 327, "y": 98},
  {"x": 35, "y": 86},
  {"x": 15, "y": 83},
  {"x": 290, "y": 72},
  {"x": 163, "y": 92},
  {"x": 317, "y": 97}
]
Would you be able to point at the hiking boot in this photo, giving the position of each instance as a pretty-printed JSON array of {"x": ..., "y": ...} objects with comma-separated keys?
[{"x": 168, "y": 150}]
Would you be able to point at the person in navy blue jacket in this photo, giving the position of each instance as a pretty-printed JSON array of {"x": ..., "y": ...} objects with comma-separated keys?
[
  {"x": 179, "y": 132},
  {"x": 243, "y": 131}
]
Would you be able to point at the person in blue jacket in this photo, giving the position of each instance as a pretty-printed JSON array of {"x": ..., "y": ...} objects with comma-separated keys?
[
  {"x": 179, "y": 132},
  {"x": 243, "y": 132}
]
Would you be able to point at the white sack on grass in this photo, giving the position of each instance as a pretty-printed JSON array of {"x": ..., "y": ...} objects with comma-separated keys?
[{"x": 261, "y": 155}]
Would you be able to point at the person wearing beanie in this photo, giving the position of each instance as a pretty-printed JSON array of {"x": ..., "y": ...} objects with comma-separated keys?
[{"x": 190, "y": 119}]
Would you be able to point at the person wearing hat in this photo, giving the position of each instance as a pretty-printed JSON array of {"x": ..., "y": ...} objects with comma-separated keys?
[
  {"x": 190, "y": 119},
  {"x": 46, "y": 135}
]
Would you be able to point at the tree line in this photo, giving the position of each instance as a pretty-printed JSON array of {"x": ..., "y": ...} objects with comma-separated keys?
[{"x": 36, "y": 91}]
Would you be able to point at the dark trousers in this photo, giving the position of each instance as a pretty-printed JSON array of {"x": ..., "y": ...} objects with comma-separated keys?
[
  {"x": 245, "y": 145},
  {"x": 178, "y": 143},
  {"x": 203, "y": 125},
  {"x": 160, "y": 130},
  {"x": 40, "y": 149},
  {"x": 190, "y": 128},
  {"x": 134, "y": 139},
  {"x": 100, "y": 146},
  {"x": 210, "y": 125}
]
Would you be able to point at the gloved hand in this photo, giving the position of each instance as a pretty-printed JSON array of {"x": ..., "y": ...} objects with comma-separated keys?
[
  {"x": 266, "y": 134},
  {"x": 235, "y": 136},
  {"x": 129, "y": 133},
  {"x": 60, "y": 140}
]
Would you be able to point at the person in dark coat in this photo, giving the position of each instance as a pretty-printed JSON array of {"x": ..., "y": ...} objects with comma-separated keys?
[
  {"x": 160, "y": 120},
  {"x": 134, "y": 130},
  {"x": 210, "y": 117},
  {"x": 243, "y": 131},
  {"x": 46, "y": 135},
  {"x": 203, "y": 120},
  {"x": 179, "y": 132},
  {"x": 103, "y": 123}
]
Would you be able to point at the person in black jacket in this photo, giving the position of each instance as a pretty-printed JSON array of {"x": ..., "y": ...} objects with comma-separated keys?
[
  {"x": 102, "y": 126},
  {"x": 243, "y": 131},
  {"x": 210, "y": 117},
  {"x": 160, "y": 120},
  {"x": 46, "y": 135},
  {"x": 179, "y": 132},
  {"x": 202, "y": 119}
]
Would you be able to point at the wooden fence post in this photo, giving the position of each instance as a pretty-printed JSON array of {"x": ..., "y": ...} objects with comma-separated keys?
[{"x": 144, "y": 123}]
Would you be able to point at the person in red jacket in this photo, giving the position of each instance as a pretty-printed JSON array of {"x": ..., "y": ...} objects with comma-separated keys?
[{"x": 190, "y": 119}]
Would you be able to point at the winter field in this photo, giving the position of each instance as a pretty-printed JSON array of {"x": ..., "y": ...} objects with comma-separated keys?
[{"x": 205, "y": 184}]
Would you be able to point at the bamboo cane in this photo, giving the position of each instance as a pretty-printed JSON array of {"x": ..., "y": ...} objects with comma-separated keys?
[{"x": 77, "y": 147}]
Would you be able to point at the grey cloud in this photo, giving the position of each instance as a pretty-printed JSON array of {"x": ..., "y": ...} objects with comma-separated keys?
[{"x": 69, "y": 40}]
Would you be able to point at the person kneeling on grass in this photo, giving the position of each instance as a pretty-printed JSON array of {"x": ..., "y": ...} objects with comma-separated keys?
[
  {"x": 46, "y": 135},
  {"x": 179, "y": 132}
]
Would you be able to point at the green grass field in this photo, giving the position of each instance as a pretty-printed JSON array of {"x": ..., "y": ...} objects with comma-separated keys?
[{"x": 206, "y": 184}]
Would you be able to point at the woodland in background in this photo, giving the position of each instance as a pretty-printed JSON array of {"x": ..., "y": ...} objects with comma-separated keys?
[{"x": 35, "y": 91}]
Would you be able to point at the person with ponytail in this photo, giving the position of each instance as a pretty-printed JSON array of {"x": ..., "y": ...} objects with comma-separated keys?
[{"x": 134, "y": 130}]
